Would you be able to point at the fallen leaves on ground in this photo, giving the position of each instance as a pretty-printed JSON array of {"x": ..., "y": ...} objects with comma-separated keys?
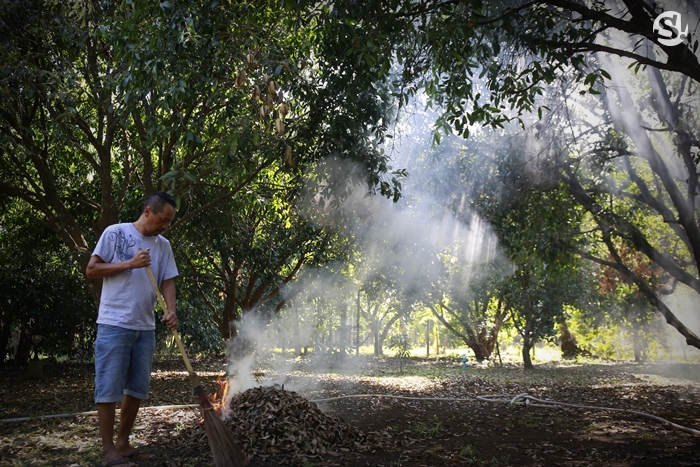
[{"x": 284, "y": 427}]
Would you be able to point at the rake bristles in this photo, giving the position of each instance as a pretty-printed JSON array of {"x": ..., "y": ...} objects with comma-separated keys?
[
  {"x": 223, "y": 445},
  {"x": 224, "y": 449}
]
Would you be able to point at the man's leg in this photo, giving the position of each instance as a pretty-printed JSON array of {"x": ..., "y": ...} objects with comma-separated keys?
[
  {"x": 137, "y": 386},
  {"x": 130, "y": 408},
  {"x": 105, "y": 416},
  {"x": 111, "y": 359}
]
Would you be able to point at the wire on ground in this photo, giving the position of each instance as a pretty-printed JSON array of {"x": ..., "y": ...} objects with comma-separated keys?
[{"x": 524, "y": 398}]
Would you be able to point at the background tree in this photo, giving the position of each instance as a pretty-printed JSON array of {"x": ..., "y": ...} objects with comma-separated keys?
[
  {"x": 104, "y": 102},
  {"x": 40, "y": 289},
  {"x": 241, "y": 254},
  {"x": 629, "y": 308},
  {"x": 537, "y": 224},
  {"x": 448, "y": 50},
  {"x": 469, "y": 303},
  {"x": 464, "y": 294}
]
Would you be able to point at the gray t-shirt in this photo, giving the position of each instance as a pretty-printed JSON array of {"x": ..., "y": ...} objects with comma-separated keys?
[{"x": 128, "y": 298}]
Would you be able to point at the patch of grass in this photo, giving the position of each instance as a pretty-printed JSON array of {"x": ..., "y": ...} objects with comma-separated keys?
[
  {"x": 469, "y": 452},
  {"x": 532, "y": 421},
  {"x": 426, "y": 429},
  {"x": 470, "y": 456}
]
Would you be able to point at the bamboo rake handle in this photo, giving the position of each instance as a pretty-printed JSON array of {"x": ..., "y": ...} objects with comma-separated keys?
[{"x": 161, "y": 301}]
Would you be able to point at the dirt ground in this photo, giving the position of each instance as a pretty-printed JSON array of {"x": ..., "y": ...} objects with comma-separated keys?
[{"x": 406, "y": 432}]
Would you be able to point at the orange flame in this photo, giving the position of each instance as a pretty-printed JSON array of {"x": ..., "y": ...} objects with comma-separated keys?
[{"x": 220, "y": 401}]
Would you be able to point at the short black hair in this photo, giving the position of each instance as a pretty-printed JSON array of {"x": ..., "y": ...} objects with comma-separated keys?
[{"x": 158, "y": 200}]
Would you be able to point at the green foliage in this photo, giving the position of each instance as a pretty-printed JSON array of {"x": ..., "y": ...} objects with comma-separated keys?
[
  {"x": 198, "y": 331},
  {"x": 536, "y": 222},
  {"x": 428, "y": 429},
  {"x": 40, "y": 289},
  {"x": 234, "y": 107},
  {"x": 227, "y": 105},
  {"x": 476, "y": 61},
  {"x": 400, "y": 343}
]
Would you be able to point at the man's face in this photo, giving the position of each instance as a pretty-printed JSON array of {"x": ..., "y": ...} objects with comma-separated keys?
[{"x": 157, "y": 223}]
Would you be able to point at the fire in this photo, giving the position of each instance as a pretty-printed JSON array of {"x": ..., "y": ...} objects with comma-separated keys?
[{"x": 221, "y": 401}]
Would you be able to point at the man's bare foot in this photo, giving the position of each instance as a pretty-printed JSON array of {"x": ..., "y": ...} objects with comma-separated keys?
[
  {"x": 113, "y": 458},
  {"x": 134, "y": 454},
  {"x": 119, "y": 463}
]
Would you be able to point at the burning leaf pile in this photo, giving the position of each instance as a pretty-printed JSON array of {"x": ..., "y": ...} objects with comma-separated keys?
[{"x": 272, "y": 422}]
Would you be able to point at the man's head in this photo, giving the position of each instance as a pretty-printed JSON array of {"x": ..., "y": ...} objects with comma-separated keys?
[{"x": 158, "y": 212}]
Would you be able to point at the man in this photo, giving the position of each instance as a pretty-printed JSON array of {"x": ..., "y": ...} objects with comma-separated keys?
[{"x": 125, "y": 342}]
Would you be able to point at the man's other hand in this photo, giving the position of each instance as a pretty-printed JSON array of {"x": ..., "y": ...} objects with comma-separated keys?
[{"x": 170, "y": 320}]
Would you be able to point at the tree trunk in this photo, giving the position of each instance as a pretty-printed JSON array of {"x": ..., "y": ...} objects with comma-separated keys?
[
  {"x": 5, "y": 336},
  {"x": 527, "y": 361},
  {"x": 478, "y": 352},
  {"x": 357, "y": 326},
  {"x": 528, "y": 344},
  {"x": 282, "y": 331},
  {"x": 567, "y": 342},
  {"x": 637, "y": 342},
  {"x": 482, "y": 344},
  {"x": 436, "y": 331},
  {"x": 343, "y": 341},
  {"x": 228, "y": 318},
  {"x": 297, "y": 341},
  {"x": 24, "y": 348},
  {"x": 385, "y": 332}
]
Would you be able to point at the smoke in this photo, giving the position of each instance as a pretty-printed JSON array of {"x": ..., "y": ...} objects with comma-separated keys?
[
  {"x": 684, "y": 303},
  {"x": 645, "y": 107},
  {"x": 641, "y": 107},
  {"x": 399, "y": 243}
]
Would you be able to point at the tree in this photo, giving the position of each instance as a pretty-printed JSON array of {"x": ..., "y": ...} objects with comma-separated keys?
[
  {"x": 104, "y": 102},
  {"x": 382, "y": 309},
  {"x": 468, "y": 302},
  {"x": 488, "y": 62},
  {"x": 629, "y": 306},
  {"x": 40, "y": 289},
  {"x": 464, "y": 294},
  {"x": 640, "y": 192},
  {"x": 265, "y": 245},
  {"x": 537, "y": 223}
]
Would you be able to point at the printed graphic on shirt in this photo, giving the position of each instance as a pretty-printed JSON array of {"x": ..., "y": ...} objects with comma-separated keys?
[{"x": 122, "y": 244}]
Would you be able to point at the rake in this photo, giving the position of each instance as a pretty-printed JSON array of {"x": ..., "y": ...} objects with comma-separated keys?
[{"x": 224, "y": 449}]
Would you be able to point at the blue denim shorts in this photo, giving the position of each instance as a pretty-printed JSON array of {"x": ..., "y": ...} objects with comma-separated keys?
[{"x": 123, "y": 362}]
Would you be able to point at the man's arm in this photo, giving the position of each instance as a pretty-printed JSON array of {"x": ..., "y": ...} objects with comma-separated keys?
[
  {"x": 168, "y": 289},
  {"x": 98, "y": 269}
]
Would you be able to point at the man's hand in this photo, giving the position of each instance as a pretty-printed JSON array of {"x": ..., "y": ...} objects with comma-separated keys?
[
  {"x": 141, "y": 259},
  {"x": 98, "y": 269},
  {"x": 170, "y": 320},
  {"x": 168, "y": 288}
]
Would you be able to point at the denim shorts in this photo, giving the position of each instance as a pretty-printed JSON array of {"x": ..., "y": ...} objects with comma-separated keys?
[{"x": 123, "y": 362}]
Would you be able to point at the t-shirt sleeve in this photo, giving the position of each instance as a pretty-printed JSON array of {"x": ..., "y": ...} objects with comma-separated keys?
[
  {"x": 105, "y": 246},
  {"x": 168, "y": 266}
]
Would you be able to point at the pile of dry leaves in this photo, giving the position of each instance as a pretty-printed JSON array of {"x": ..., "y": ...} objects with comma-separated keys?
[{"x": 272, "y": 422}]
